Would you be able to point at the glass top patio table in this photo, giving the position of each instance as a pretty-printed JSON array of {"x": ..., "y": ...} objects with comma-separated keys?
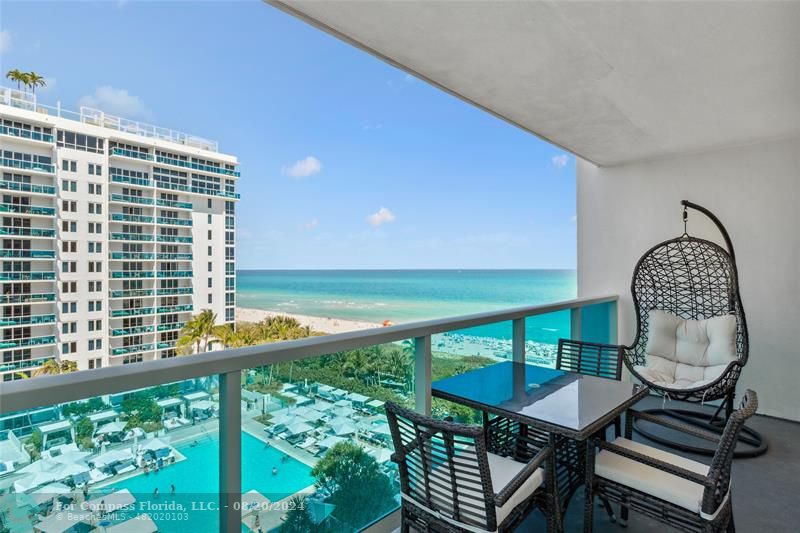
[{"x": 565, "y": 403}]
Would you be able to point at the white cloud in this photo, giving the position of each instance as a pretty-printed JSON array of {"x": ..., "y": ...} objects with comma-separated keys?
[
  {"x": 311, "y": 224},
  {"x": 561, "y": 160},
  {"x": 5, "y": 41},
  {"x": 117, "y": 102},
  {"x": 303, "y": 168},
  {"x": 382, "y": 216}
]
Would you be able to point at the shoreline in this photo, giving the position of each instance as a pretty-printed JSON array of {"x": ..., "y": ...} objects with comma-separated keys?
[{"x": 320, "y": 324}]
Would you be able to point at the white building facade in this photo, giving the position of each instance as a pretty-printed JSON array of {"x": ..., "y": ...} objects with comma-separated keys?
[{"x": 113, "y": 234}]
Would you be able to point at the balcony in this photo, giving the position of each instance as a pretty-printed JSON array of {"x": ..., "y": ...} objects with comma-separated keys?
[
  {"x": 141, "y": 182},
  {"x": 139, "y": 330},
  {"x": 119, "y": 236},
  {"x": 175, "y": 221},
  {"x": 173, "y": 203},
  {"x": 128, "y": 199},
  {"x": 27, "y": 210},
  {"x": 26, "y": 187},
  {"x": 196, "y": 166},
  {"x": 174, "y": 238},
  {"x": 122, "y": 152},
  {"x": 132, "y": 293},
  {"x": 124, "y": 217},
  {"x": 27, "y": 298},
  {"x": 24, "y": 364},
  {"x": 174, "y": 291},
  {"x": 175, "y": 274},
  {"x": 28, "y": 254},
  {"x": 131, "y": 274},
  {"x": 197, "y": 190},
  {"x": 27, "y": 276},
  {"x": 175, "y": 309},
  {"x": 165, "y": 345},
  {"x": 26, "y": 134},
  {"x": 139, "y": 311},
  {"x": 174, "y": 326},
  {"x": 28, "y": 320},
  {"x": 24, "y": 343},
  {"x": 27, "y": 232},
  {"x": 30, "y": 166},
  {"x": 136, "y": 256},
  {"x": 174, "y": 257},
  {"x": 125, "y": 350}
]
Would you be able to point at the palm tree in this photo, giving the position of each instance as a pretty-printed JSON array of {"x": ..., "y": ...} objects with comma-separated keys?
[
  {"x": 206, "y": 322},
  {"x": 51, "y": 367},
  {"x": 224, "y": 334},
  {"x": 18, "y": 76},
  {"x": 33, "y": 80},
  {"x": 196, "y": 332}
]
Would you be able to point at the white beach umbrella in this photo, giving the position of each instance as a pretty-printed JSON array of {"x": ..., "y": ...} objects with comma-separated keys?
[
  {"x": 42, "y": 465},
  {"x": 111, "y": 457},
  {"x": 33, "y": 480},
  {"x": 344, "y": 412},
  {"x": 71, "y": 457},
  {"x": 68, "y": 470},
  {"x": 155, "y": 444},
  {"x": 298, "y": 428},
  {"x": 342, "y": 426},
  {"x": 331, "y": 441}
]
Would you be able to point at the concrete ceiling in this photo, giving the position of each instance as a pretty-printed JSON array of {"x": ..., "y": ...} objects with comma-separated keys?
[{"x": 612, "y": 82}]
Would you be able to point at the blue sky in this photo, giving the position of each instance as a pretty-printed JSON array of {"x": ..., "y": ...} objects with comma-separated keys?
[{"x": 346, "y": 162}]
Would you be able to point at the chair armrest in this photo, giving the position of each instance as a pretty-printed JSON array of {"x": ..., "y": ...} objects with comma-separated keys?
[
  {"x": 670, "y": 468},
  {"x": 677, "y": 426},
  {"x": 527, "y": 471}
]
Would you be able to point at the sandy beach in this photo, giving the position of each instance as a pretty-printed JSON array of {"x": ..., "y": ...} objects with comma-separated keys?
[{"x": 317, "y": 323}]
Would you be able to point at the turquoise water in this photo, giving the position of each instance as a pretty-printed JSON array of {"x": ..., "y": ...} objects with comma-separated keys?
[
  {"x": 408, "y": 295},
  {"x": 196, "y": 481}
]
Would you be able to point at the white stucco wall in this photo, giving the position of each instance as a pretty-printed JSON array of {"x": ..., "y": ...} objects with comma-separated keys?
[{"x": 755, "y": 191}]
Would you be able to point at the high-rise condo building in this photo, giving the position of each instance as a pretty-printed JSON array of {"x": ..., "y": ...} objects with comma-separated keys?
[{"x": 114, "y": 233}]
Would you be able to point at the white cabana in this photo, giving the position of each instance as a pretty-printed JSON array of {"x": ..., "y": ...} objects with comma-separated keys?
[
  {"x": 342, "y": 403},
  {"x": 32, "y": 480},
  {"x": 61, "y": 522},
  {"x": 298, "y": 428},
  {"x": 330, "y": 441},
  {"x": 155, "y": 444},
  {"x": 195, "y": 396},
  {"x": 110, "y": 457},
  {"x": 70, "y": 469},
  {"x": 343, "y": 412},
  {"x": 375, "y": 405},
  {"x": 139, "y": 524},
  {"x": 168, "y": 403},
  {"x": 111, "y": 428},
  {"x": 381, "y": 455},
  {"x": 103, "y": 416},
  {"x": 42, "y": 465},
  {"x": 48, "y": 492},
  {"x": 203, "y": 405},
  {"x": 111, "y": 502},
  {"x": 342, "y": 426}
]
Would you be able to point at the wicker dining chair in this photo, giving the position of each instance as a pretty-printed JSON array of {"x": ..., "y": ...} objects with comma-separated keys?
[
  {"x": 677, "y": 491},
  {"x": 450, "y": 482}
]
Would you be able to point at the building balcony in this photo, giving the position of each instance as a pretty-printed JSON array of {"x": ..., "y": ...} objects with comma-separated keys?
[
  {"x": 27, "y": 298},
  {"x": 136, "y": 256},
  {"x": 26, "y": 187},
  {"x": 139, "y": 311},
  {"x": 131, "y": 274},
  {"x": 128, "y": 199},
  {"x": 24, "y": 343},
  {"x": 164, "y": 345},
  {"x": 175, "y": 326},
  {"x": 175, "y": 291},
  {"x": 30, "y": 135},
  {"x": 132, "y": 293},
  {"x": 26, "y": 364},
  {"x": 27, "y": 210},
  {"x": 124, "y": 217},
  {"x": 27, "y": 276},
  {"x": 132, "y": 154},
  {"x": 208, "y": 169},
  {"x": 27, "y": 320},
  {"x": 196, "y": 190},
  {"x": 138, "y": 330},
  {"x": 175, "y": 274},
  {"x": 174, "y": 257},
  {"x": 125, "y": 350},
  {"x": 175, "y": 309},
  {"x": 28, "y": 254},
  {"x": 174, "y": 238},
  {"x": 28, "y": 166},
  {"x": 141, "y": 182},
  {"x": 120, "y": 236},
  {"x": 175, "y": 221},
  {"x": 174, "y": 204},
  {"x": 27, "y": 232}
]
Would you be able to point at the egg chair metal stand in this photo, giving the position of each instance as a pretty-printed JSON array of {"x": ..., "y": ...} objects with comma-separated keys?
[{"x": 696, "y": 279}]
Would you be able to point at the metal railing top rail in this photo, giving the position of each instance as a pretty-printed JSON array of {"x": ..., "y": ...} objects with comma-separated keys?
[{"x": 48, "y": 390}]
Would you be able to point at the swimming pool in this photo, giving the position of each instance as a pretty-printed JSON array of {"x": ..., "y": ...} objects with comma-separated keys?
[{"x": 193, "y": 506}]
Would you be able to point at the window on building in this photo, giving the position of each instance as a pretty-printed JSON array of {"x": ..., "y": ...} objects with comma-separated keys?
[{"x": 95, "y": 363}]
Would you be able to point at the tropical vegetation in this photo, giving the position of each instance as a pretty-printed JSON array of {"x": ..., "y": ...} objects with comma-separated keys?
[{"x": 30, "y": 80}]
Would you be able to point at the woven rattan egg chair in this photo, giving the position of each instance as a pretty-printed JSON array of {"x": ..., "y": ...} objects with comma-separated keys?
[{"x": 691, "y": 285}]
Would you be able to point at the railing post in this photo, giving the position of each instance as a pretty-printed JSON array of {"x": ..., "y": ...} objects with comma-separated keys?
[
  {"x": 422, "y": 374},
  {"x": 230, "y": 452},
  {"x": 518, "y": 340},
  {"x": 575, "y": 323}
]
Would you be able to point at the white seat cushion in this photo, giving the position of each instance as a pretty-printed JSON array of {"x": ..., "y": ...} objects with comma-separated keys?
[
  {"x": 644, "y": 478},
  {"x": 684, "y": 354},
  {"x": 503, "y": 471}
]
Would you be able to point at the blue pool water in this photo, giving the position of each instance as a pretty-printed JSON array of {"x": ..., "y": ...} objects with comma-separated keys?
[{"x": 196, "y": 480}]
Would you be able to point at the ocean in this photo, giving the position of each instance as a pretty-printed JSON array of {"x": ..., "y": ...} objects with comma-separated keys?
[{"x": 410, "y": 295}]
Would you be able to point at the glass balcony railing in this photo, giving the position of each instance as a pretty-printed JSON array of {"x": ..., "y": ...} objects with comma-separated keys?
[
  {"x": 174, "y": 291},
  {"x": 126, "y": 198},
  {"x": 120, "y": 274},
  {"x": 175, "y": 274},
  {"x": 117, "y": 178},
  {"x": 131, "y": 331},
  {"x": 26, "y": 187},
  {"x": 27, "y": 276},
  {"x": 174, "y": 257},
  {"x": 125, "y": 217},
  {"x": 6, "y": 344},
  {"x": 33, "y": 166},
  {"x": 171, "y": 327},
  {"x": 173, "y": 203},
  {"x": 196, "y": 166},
  {"x": 27, "y": 298},
  {"x": 27, "y": 320},
  {"x": 174, "y": 238},
  {"x": 29, "y": 254},
  {"x": 144, "y": 156},
  {"x": 24, "y": 365},
  {"x": 175, "y": 221},
  {"x": 27, "y": 209},
  {"x": 175, "y": 308},
  {"x": 131, "y": 237},
  {"x": 27, "y": 232},
  {"x": 140, "y": 256},
  {"x": 163, "y": 345},
  {"x": 115, "y": 313},
  {"x": 26, "y": 134},
  {"x": 132, "y": 293},
  {"x": 124, "y": 350},
  {"x": 196, "y": 190}
]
